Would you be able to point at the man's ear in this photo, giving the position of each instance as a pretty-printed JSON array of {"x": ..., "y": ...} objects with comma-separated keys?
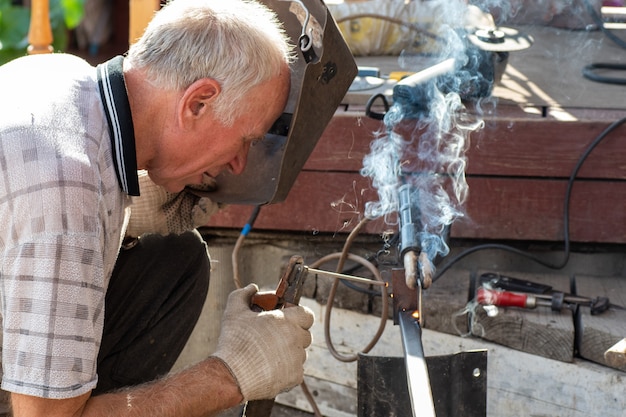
[{"x": 197, "y": 97}]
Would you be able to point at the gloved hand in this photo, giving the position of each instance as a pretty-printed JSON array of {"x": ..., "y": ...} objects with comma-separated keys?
[
  {"x": 159, "y": 211},
  {"x": 264, "y": 351}
]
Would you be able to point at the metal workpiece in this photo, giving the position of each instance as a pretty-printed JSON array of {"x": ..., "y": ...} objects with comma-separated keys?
[
  {"x": 320, "y": 77},
  {"x": 418, "y": 379},
  {"x": 458, "y": 383}
]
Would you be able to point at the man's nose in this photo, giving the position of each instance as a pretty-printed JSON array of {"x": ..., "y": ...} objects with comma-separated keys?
[{"x": 238, "y": 163}]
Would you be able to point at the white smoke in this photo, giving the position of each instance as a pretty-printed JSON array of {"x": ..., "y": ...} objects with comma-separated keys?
[{"x": 425, "y": 141}]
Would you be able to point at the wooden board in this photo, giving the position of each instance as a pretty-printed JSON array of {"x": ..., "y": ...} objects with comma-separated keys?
[
  {"x": 598, "y": 333},
  {"x": 445, "y": 302},
  {"x": 518, "y": 164},
  {"x": 538, "y": 331},
  {"x": 532, "y": 209},
  {"x": 497, "y": 208}
]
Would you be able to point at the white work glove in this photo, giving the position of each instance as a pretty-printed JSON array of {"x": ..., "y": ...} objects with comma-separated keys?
[
  {"x": 159, "y": 211},
  {"x": 264, "y": 351}
]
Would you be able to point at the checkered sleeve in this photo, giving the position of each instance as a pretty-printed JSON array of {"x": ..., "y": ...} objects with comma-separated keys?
[
  {"x": 62, "y": 214},
  {"x": 53, "y": 316}
]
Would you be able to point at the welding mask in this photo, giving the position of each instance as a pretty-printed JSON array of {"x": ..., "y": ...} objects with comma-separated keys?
[{"x": 320, "y": 78}]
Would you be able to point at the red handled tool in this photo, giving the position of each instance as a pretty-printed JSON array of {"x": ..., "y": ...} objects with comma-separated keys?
[
  {"x": 508, "y": 299},
  {"x": 555, "y": 300}
]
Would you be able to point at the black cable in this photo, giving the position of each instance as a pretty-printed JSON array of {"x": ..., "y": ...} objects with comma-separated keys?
[
  {"x": 566, "y": 237},
  {"x": 590, "y": 73},
  {"x": 600, "y": 23}
]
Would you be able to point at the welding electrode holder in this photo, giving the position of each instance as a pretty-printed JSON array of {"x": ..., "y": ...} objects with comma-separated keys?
[{"x": 414, "y": 260}]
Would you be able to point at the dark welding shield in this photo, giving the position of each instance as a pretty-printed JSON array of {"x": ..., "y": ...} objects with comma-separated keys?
[{"x": 321, "y": 76}]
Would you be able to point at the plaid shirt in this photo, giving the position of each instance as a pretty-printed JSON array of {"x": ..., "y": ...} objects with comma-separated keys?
[{"x": 63, "y": 214}]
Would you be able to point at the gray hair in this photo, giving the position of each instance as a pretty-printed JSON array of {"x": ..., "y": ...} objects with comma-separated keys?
[{"x": 239, "y": 43}]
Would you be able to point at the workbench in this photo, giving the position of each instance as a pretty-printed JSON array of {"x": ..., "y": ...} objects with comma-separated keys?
[{"x": 540, "y": 119}]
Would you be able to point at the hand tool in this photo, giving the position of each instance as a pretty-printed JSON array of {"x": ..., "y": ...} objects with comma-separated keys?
[
  {"x": 541, "y": 294},
  {"x": 288, "y": 293},
  {"x": 556, "y": 300}
]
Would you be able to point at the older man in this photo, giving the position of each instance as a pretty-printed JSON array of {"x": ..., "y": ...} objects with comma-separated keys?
[{"x": 206, "y": 80}]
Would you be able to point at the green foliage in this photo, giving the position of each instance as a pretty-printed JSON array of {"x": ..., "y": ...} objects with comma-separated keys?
[{"x": 15, "y": 21}]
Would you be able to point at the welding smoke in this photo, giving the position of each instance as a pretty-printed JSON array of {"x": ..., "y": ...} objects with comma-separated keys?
[{"x": 425, "y": 137}]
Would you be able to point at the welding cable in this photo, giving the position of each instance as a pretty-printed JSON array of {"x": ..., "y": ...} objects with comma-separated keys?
[
  {"x": 589, "y": 70},
  {"x": 242, "y": 236},
  {"x": 566, "y": 217},
  {"x": 341, "y": 259},
  {"x": 590, "y": 73},
  {"x": 331, "y": 298},
  {"x": 408, "y": 25}
]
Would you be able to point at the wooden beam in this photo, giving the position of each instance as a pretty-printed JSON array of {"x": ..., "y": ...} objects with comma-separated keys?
[
  {"x": 40, "y": 31},
  {"x": 140, "y": 13},
  {"x": 616, "y": 355}
]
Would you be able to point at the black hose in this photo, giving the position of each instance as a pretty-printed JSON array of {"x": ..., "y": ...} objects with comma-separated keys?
[
  {"x": 590, "y": 73},
  {"x": 566, "y": 237}
]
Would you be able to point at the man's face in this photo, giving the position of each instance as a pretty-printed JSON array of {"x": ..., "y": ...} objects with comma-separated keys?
[{"x": 209, "y": 148}]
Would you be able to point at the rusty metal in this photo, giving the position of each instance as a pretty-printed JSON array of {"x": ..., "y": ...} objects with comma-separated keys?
[{"x": 404, "y": 298}]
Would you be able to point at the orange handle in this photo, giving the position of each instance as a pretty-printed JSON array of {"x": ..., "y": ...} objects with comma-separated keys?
[{"x": 264, "y": 302}]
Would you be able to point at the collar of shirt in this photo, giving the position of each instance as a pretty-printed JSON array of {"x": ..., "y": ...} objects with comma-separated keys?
[{"x": 117, "y": 110}]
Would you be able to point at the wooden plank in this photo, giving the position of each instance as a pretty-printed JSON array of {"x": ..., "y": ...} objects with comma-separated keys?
[
  {"x": 445, "y": 301},
  {"x": 344, "y": 143},
  {"x": 538, "y": 331},
  {"x": 318, "y": 202},
  {"x": 598, "y": 333},
  {"x": 520, "y": 384},
  {"x": 140, "y": 14},
  {"x": 545, "y": 148},
  {"x": 497, "y": 208},
  {"x": 529, "y": 146},
  {"x": 526, "y": 385},
  {"x": 615, "y": 356},
  {"x": 531, "y": 209}
]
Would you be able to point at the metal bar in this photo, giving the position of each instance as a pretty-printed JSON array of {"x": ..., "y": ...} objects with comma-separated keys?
[
  {"x": 346, "y": 277},
  {"x": 418, "y": 380}
]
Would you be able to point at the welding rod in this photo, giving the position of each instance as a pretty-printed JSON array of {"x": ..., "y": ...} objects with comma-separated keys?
[{"x": 346, "y": 277}]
